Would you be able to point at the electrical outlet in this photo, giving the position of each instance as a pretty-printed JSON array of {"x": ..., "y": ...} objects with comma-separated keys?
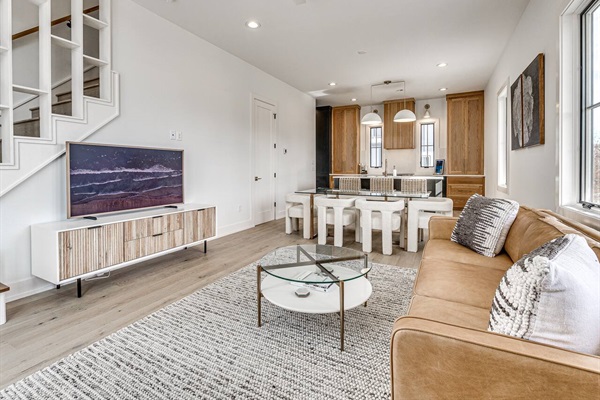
[
  {"x": 173, "y": 135},
  {"x": 179, "y": 135}
]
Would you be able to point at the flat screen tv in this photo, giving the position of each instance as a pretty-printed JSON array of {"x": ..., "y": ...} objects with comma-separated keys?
[{"x": 107, "y": 178}]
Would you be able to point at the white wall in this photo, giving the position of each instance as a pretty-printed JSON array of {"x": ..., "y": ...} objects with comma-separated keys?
[
  {"x": 533, "y": 172},
  {"x": 171, "y": 79},
  {"x": 407, "y": 160}
]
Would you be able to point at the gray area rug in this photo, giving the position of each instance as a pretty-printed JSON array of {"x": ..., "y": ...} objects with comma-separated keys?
[{"x": 208, "y": 346}]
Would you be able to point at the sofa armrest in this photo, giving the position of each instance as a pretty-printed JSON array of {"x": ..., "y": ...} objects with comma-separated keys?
[
  {"x": 441, "y": 227},
  {"x": 433, "y": 360}
]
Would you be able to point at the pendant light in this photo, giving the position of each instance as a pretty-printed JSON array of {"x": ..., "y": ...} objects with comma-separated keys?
[
  {"x": 405, "y": 115},
  {"x": 373, "y": 117}
]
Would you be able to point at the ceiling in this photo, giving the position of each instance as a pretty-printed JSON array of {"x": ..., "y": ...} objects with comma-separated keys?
[{"x": 310, "y": 44}]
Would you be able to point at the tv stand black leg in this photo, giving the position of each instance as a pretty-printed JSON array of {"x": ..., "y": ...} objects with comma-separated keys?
[
  {"x": 79, "y": 288},
  {"x": 205, "y": 247},
  {"x": 57, "y": 287}
]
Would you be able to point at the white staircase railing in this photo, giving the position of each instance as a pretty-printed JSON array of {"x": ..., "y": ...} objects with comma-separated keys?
[{"x": 23, "y": 156}]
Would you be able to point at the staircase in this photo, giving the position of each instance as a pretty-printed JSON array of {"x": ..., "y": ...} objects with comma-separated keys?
[
  {"x": 29, "y": 145},
  {"x": 63, "y": 106}
]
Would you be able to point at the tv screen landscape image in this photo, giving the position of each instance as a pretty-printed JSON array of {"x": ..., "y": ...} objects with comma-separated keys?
[{"x": 106, "y": 178}]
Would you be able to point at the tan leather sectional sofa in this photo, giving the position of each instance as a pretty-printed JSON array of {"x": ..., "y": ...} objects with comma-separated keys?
[{"x": 442, "y": 349}]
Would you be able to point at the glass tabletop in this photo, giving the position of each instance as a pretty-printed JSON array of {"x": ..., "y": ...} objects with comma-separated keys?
[
  {"x": 364, "y": 193},
  {"x": 315, "y": 264}
]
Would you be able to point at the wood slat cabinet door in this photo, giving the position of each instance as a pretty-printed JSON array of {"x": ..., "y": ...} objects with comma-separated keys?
[
  {"x": 398, "y": 135},
  {"x": 113, "y": 244},
  {"x": 465, "y": 133},
  {"x": 90, "y": 249},
  {"x": 199, "y": 225},
  {"x": 207, "y": 223},
  {"x": 81, "y": 251},
  {"x": 345, "y": 140}
]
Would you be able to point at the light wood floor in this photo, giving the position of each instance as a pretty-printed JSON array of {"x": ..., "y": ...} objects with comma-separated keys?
[{"x": 44, "y": 328}]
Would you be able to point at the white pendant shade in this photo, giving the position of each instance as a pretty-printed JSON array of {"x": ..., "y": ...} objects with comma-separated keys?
[
  {"x": 371, "y": 119},
  {"x": 405, "y": 116}
]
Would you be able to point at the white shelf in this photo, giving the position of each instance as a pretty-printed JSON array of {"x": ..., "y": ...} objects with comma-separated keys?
[
  {"x": 4, "y": 107},
  {"x": 93, "y": 22},
  {"x": 67, "y": 44},
  {"x": 3, "y": 49},
  {"x": 29, "y": 90},
  {"x": 95, "y": 61}
]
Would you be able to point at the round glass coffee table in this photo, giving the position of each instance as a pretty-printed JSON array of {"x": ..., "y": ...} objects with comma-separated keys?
[{"x": 336, "y": 279}]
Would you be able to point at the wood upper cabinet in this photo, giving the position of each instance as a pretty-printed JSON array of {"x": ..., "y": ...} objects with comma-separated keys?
[
  {"x": 398, "y": 135},
  {"x": 345, "y": 140},
  {"x": 465, "y": 133}
]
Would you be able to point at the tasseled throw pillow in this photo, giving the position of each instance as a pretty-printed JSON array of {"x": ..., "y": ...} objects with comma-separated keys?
[
  {"x": 484, "y": 224},
  {"x": 552, "y": 296}
]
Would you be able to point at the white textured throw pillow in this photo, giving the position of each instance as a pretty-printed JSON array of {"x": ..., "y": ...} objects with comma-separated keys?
[
  {"x": 552, "y": 296},
  {"x": 484, "y": 224}
]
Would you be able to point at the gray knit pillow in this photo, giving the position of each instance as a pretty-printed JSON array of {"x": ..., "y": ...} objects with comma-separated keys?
[
  {"x": 484, "y": 224},
  {"x": 552, "y": 296}
]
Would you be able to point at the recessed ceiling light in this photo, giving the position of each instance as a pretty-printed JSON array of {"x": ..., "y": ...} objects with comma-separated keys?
[
  {"x": 332, "y": 83},
  {"x": 253, "y": 24},
  {"x": 353, "y": 99},
  {"x": 443, "y": 89},
  {"x": 442, "y": 65}
]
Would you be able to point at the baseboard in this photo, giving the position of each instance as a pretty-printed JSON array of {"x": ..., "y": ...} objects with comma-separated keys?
[
  {"x": 26, "y": 287},
  {"x": 223, "y": 231}
]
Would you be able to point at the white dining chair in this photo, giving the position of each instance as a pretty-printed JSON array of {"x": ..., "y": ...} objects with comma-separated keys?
[
  {"x": 419, "y": 213},
  {"x": 385, "y": 216},
  {"x": 297, "y": 206},
  {"x": 339, "y": 213}
]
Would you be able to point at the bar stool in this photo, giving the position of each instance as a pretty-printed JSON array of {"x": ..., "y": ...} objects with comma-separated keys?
[
  {"x": 297, "y": 206},
  {"x": 380, "y": 215},
  {"x": 419, "y": 213},
  {"x": 413, "y": 185},
  {"x": 339, "y": 213},
  {"x": 381, "y": 185},
  {"x": 350, "y": 184}
]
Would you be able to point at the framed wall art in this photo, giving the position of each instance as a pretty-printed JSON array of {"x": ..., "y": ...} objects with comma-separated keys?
[{"x": 527, "y": 106}]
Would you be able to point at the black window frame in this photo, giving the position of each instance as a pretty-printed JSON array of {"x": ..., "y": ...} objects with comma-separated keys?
[
  {"x": 378, "y": 147},
  {"x": 432, "y": 145}
]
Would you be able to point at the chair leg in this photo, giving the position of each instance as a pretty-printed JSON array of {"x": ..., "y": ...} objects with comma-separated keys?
[
  {"x": 367, "y": 233},
  {"x": 322, "y": 225},
  {"x": 288, "y": 224},
  {"x": 386, "y": 232},
  {"x": 357, "y": 229},
  {"x": 338, "y": 226}
]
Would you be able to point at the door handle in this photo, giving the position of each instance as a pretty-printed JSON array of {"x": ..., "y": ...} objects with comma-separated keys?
[{"x": 256, "y": 178}]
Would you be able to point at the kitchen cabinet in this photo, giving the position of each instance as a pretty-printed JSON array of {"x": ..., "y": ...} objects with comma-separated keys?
[{"x": 398, "y": 135}]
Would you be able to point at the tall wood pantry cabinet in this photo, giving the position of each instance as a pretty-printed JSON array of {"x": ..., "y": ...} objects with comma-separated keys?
[
  {"x": 345, "y": 140},
  {"x": 465, "y": 146},
  {"x": 398, "y": 135}
]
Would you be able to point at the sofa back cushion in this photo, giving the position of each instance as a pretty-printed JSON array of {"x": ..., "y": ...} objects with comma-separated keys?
[{"x": 532, "y": 228}]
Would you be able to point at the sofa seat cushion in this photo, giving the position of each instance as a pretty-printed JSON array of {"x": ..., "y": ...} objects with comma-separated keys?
[
  {"x": 461, "y": 283},
  {"x": 440, "y": 249},
  {"x": 449, "y": 312}
]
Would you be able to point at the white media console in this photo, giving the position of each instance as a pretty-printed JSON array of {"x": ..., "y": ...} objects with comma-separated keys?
[{"x": 76, "y": 249}]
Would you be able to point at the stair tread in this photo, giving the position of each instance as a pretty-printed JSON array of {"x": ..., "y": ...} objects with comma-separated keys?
[
  {"x": 58, "y": 103},
  {"x": 23, "y": 121}
]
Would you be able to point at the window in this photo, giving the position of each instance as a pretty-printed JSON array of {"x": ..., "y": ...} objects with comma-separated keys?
[
  {"x": 427, "y": 154},
  {"x": 590, "y": 118},
  {"x": 376, "y": 147},
  {"x": 502, "y": 139}
]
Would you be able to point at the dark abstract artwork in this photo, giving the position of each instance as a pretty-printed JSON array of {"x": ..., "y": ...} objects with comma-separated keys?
[
  {"x": 527, "y": 106},
  {"x": 113, "y": 178}
]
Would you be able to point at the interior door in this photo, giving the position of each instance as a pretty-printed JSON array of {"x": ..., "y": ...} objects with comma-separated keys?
[{"x": 263, "y": 180}]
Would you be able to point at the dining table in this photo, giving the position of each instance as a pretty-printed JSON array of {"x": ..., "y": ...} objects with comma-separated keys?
[{"x": 392, "y": 195}]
